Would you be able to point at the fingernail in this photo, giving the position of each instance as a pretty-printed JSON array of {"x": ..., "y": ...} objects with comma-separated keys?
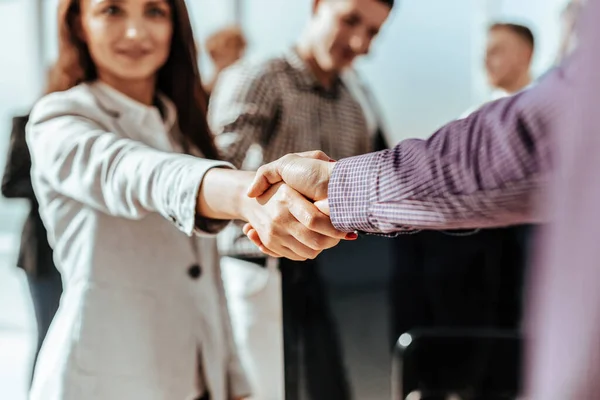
[
  {"x": 352, "y": 236},
  {"x": 332, "y": 160}
]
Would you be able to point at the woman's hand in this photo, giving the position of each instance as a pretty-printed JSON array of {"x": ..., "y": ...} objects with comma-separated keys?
[{"x": 287, "y": 225}]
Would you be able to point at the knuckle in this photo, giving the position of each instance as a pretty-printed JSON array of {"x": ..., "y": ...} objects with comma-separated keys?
[
  {"x": 286, "y": 190},
  {"x": 278, "y": 219},
  {"x": 311, "y": 220},
  {"x": 321, "y": 242},
  {"x": 334, "y": 242},
  {"x": 314, "y": 254},
  {"x": 261, "y": 171},
  {"x": 269, "y": 236}
]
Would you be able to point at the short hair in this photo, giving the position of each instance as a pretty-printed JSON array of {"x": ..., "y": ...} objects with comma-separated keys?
[
  {"x": 389, "y": 3},
  {"x": 219, "y": 38},
  {"x": 520, "y": 30}
]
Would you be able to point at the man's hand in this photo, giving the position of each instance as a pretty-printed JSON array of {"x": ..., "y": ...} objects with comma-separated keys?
[{"x": 308, "y": 173}]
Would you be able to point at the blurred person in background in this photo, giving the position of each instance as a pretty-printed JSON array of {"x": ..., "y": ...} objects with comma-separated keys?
[
  {"x": 124, "y": 169},
  {"x": 509, "y": 55},
  {"x": 508, "y": 58},
  {"x": 35, "y": 254},
  {"x": 224, "y": 47},
  {"x": 294, "y": 102}
]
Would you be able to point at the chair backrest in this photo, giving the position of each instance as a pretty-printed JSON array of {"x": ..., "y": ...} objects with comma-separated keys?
[{"x": 467, "y": 362}]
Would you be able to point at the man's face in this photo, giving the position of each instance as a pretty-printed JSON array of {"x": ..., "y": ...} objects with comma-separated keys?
[
  {"x": 342, "y": 30},
  {"x": 508, "y": 57}
]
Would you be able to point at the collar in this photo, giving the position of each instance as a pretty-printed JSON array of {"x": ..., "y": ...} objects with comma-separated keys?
[
  {"x": 306, "y": 79},
  {"x": 119, "y": 104},
  {"x": 501, "y": 93}
]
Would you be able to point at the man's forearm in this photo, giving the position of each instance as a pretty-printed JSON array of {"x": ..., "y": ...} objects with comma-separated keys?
[{"x": 481, "y": 171}]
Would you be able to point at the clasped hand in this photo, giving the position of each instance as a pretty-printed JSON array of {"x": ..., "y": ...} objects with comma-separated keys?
[{"x": 296, "y": 223}]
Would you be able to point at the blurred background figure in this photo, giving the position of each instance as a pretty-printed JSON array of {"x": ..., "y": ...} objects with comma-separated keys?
[
  {"x": 508, "y": 58},
  {"x": 296, "y": 101},
  {"x": 224, "y": 47},
  {"x": 35, "y": 254}
]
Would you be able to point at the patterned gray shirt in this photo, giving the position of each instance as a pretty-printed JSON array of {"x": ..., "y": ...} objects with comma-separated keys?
[{"x": 262, "y": 112}]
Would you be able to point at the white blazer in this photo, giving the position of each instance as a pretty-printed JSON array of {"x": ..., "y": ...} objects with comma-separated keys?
[{"x": 143, "y": 314}]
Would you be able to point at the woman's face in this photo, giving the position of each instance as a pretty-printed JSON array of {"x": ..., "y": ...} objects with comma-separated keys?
[{"x": 127, "y": 39}]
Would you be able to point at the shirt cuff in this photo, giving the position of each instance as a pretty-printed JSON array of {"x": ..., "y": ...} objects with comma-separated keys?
[
  {"x": 352, "y": 189},
  {"x": 189, "y": 221}
]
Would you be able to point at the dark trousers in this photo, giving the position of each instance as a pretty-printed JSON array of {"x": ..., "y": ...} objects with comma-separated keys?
[
  {"x": 45, "y": 292},
  {"x": 443, "y": 281},
  {"x": 312, "y": 351}
]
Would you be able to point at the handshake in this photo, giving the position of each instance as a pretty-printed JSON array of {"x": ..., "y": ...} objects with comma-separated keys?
[{"x": 294, "y": 219}]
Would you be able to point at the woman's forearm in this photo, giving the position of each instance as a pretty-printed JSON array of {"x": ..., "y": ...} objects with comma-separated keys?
[{"x": 222, "y": 194}]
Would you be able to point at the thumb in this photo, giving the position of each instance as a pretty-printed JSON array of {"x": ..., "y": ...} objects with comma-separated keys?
[
  {"x": 323, "y": 206},
  {"x": 266, "y": 176}
]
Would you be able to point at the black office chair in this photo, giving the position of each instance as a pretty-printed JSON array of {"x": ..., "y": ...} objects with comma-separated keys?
[{"x": 473, "y": 364}]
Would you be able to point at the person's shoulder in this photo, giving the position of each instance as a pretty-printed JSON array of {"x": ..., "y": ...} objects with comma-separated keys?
[
  {"x": 77, "y": 101},
  {"x": 257, "y": 70}
]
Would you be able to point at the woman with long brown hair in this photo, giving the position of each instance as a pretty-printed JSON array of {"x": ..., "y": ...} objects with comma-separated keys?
[{"x": 122, "y": 168}]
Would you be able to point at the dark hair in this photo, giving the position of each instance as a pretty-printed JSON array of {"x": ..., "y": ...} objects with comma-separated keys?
[
  {"x": 520, "y": 30},
  {"x": 179, "y": 78},
  {"x": 390, "y": 3}
]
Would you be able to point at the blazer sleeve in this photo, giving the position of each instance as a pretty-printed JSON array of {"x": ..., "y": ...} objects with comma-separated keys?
[
  {"x": 482, "y": 171},
  {"x": 74, "y": 155},
  {"x": 16, "y": 181}
]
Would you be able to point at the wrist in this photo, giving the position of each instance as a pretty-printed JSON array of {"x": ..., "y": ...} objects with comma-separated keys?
[
  {"x": 222, "y": 194},
  {"x": 243, "y": 205}
]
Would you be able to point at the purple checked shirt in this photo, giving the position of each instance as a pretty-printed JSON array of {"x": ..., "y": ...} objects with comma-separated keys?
[
  {"x": 489, "y": 170},
  {"x": 485, "y": 170}
]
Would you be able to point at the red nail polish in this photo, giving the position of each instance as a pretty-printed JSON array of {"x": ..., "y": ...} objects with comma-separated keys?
[
  {"x": 352, "y": 236},
  {"x": 332, "y": 160}
]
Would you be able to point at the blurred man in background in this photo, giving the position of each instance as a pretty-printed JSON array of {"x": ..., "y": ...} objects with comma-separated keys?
[
  {"x": 508, "y": 58},
  {"x": 291, "y": 103}
]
